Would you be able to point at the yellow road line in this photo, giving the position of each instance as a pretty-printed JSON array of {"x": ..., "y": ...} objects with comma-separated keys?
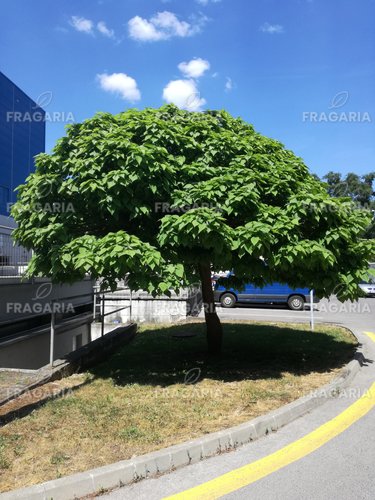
[
  {"x": 250, "y": 473},
  {"x": 371, "y": 335}
]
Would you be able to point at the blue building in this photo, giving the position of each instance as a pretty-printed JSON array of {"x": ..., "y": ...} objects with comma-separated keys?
[{"x": 22, "y": 136}]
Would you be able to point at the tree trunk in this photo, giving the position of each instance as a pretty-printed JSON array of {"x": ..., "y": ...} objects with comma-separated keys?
[{"x": 213, "y": 325}]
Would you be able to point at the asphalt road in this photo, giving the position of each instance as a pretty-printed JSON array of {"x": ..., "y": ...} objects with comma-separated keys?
[
  {"x": 359, "y": 314},
  {"x": 341, "y": 469}
]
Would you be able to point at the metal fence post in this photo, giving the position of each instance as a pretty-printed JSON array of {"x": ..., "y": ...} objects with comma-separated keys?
[
  {"x": 94, "y": 301},
  {"x": 103, "y": 311},
  {"x": 130, "y": 307},
  {"x": 52, "y": 335},
  {"x": 312, "y": 309}
]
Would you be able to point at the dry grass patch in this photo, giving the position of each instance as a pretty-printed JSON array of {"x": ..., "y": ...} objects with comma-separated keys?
[{"x": 138, "y": 400}]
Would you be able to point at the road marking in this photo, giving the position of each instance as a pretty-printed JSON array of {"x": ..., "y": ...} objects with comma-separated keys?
[
  {"x": 254, "y": 471},
  {"x": 371, "y": 335}
]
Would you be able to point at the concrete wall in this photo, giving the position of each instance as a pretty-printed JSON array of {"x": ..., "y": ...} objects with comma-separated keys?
[
  {"x": 21, "y": 299},
  {"x": 145, "y": 308},
  {"x": 32, "y": 351},
  {"x": 96, "y": 329},
  {"x": 23, "y": 347}
]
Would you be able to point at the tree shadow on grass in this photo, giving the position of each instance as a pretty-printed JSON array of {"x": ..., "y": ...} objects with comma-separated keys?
[{"x": 156, "y": 357}]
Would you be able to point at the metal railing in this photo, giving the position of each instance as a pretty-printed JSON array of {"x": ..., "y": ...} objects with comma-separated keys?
[
  {"x": 13, "y": 258},
  {"x": 98, "y": 298},
  {"x": 112, "y": 298}
]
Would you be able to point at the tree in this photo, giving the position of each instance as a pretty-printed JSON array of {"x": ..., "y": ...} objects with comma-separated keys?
[
  {"x": 359, "y": 188},
  {"x": 168, "y": 195}
]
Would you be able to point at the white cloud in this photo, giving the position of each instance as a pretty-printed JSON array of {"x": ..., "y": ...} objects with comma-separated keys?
[
  {"x": 183, "y": 93},
  {"x": 194, "y": 68},
  {"x": 206, "y": 2},
  {"x": 272, "y": 29},
  {"x": 141, "y": 29},
  {"x": 162, "y": 26},
  {"x": 168, "y": 22},
  {"x": 87, "y": 26},
  {"x": 104, "y": 30},
  {"x": 82, "y": 24},
  {"x": 229, "y": 84},
  {"x": 121, "y": 84}
]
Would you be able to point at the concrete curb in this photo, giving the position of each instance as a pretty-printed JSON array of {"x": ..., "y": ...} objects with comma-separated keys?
[{"x": 168, "y": 459}]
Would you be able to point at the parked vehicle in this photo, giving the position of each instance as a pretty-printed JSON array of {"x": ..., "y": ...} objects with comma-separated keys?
[
  {"x": 368, "y": 285},
  {"x": 275, "y": 293},
  {"x": 368, "y": 288}
]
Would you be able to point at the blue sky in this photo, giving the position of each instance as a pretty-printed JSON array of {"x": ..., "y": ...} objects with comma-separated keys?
[{"x": 301, "y": 71}]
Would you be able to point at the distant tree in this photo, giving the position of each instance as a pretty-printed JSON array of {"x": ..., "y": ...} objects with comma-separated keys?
[
  {"x": 336, "y": 186},
  {"x": 359, "y": 188},
  {"x": 168, "y": 195}
]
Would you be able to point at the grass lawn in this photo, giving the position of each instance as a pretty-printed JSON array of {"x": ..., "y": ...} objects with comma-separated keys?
[{"x": 162, "y": 390}]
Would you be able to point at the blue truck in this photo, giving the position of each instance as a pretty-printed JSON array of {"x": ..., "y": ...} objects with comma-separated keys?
[{"x": 275, "y": 293}]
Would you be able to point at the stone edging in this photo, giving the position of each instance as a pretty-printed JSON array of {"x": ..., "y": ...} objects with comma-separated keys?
[{"x": 168, "y": 459}]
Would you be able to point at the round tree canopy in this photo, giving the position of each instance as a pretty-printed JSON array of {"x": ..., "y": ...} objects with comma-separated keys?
[{"x": 156, "y": 192}]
